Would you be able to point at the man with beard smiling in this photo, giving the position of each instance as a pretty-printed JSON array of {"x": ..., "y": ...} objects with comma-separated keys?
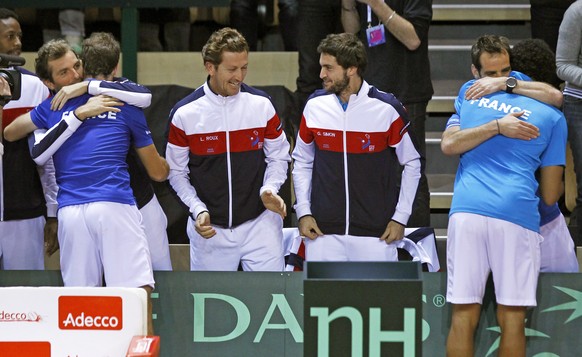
[{"x": 352, "y": 141}]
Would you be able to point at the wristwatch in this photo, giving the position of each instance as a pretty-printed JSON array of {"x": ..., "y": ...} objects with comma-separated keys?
[{"x": 510, "y": 84}]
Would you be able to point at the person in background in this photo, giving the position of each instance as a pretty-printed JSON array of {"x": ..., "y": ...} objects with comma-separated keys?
[
  {"x": 28, "y": 204},
  {"x": 162, "y": 29},
  {"x": 68, "y": 24},
  {"x": 244, "y": 16},
  {"x": 396, "y": 34},
  {"x": 569, "y": 69},
  {"x": 316, "y": 19},
  {"x": 546, "y": 17}
]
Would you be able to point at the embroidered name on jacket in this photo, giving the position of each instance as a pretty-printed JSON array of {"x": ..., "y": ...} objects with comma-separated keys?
[
  {"x": 216, "y": 143},
  {"x": 357, "y": 142}
]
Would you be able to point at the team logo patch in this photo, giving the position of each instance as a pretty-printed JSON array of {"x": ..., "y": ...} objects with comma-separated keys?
[
  {"x": 367, "y": 143},
  {"x": 255, "y": 138}
]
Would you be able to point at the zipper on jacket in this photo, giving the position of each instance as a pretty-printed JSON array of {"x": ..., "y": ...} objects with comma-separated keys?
[
  {"x": 346, "y": 172},
  {"x": 228, "y": 170}
]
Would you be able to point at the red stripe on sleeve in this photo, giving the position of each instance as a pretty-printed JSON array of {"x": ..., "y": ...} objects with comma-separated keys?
[
  {"x": 396, "y": 131},
  {"x": 177, "y": 136},
  {"x": 274, "y": 127},
  {"x": 304, "y": 132}
]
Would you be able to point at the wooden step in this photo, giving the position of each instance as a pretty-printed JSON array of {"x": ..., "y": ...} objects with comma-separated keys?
[
  {"x": 480, "y": 10},
  {"x": 441, "y": 190},
  {"x": 441, "y": 104}
]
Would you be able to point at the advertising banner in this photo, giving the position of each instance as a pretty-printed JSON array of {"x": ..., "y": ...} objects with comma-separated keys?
[
  {"x": 226, "y": 314},
  {"x": 51, "y": 321}
]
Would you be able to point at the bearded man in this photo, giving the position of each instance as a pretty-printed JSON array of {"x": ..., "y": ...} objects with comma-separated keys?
[{"x": 353, "y": 140}]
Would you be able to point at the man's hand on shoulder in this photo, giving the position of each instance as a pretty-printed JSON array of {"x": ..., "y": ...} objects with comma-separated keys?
[
  {"x": 484, "y": 86},
  {"x": 98, "y": 105}
]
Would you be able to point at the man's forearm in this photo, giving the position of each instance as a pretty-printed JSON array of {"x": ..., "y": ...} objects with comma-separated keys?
[
  {"x": 350, "y": 16},
  {"x": 455, "y": 141},
  {"x": 50, "y": 188},
  {"x": 124, "y": 90},
  {"x": 401, "y": 28},
  {"x": 48, "y": 143},
  {"x": 551, "y": 184},
  {"x": 540, "y": 91},
  {"x": 19, "y": 128}
]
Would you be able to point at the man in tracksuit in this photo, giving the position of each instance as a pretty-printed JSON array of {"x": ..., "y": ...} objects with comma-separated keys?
[
  {"x": 28, "y": 192},
  {"x": 352, "y": 141},
  {"x": 228, "y": 157}
]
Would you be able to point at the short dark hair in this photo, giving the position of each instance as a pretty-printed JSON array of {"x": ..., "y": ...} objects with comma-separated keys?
[
  {"x": 50, "y": 51},
  {"x": 225, "y": 39},
  {"x": 100, "y": 54},
  {"x": 534, "y": 58},
  {"x": 7, "y": 13},
  {"x": 347, "y": 49},
  {"x": 488, "y": 44}
]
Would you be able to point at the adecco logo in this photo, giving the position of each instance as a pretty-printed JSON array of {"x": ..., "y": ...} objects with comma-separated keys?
[
  {"x": 90, "y": 313},
  {"x": 7, "y": 316}
]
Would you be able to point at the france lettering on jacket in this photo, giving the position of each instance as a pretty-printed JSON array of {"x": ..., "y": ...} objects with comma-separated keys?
[
  {"x": 106, "y": 115},
  {"x": 501, "y": 106}
]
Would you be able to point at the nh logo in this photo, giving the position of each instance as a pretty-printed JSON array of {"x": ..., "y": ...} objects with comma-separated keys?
[{"x": 376, "y": 335}]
